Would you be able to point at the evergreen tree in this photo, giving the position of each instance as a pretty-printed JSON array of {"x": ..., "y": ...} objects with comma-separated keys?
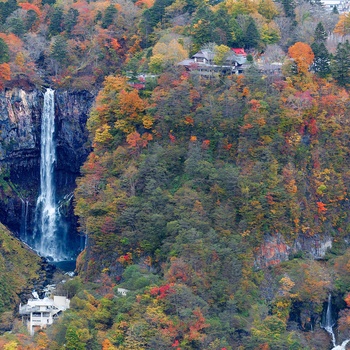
[
  {"x": 335, "y": 10},
  {"x": 56, "y": 21},
  {"x": 237, "y": 36},
  {"x": 320, "y": 33},
  {"x": 288, "y": 7},
  {"x": 108, "y": 17},
  {"x": 6, "y": 8},
  {"x": 4, "y": 52},
  {"x": 30, "y": 19},
  {"x": 252, "y": 35},
  {"x": 16, "y": 26},
  {"x": 70, "y": 20},
  {"x": 341, "y": 64},
  {"x": 321, "y": 64}
]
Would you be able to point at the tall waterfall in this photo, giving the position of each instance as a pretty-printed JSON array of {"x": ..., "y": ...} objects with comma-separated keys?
[
  {"x": 47, "y": 244},
  {"x": 329, "y": 323}
]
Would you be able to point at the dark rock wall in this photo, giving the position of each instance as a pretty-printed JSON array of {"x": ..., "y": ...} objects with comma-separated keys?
[{"x": 20, "y": 118}]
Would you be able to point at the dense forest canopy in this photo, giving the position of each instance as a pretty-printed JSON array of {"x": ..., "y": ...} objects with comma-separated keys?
[{"x": 212, "y": 200}]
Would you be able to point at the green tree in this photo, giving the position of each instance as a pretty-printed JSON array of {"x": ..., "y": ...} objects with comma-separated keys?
[
  {"x": 70, "y": 20},
  {"x": 72, "y": 339},
  {"x": 341, "y": 64},
  {"x": 320, "y": 35},
  {"x": 56, "y": 22},
  {"x": 4, "y": 52},
  {"x": 252, "y": 35},
  {"x": 289, "y": 7},
  {"x": 321, "y": 64},
  {"x": 108, "y": 17}
]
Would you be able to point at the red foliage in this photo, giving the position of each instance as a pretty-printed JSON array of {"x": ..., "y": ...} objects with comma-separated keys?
[
  {"x": 108, "y": 226},
  {"x": 162, "y": 291},
  {"x": 313, "y": 127},
  {"x": 189, "y": 120},
  {"x": 255, "y": 104},
  {"x": 125, "y": 259},
  {"x": 172, "y": 138},
  {"x": 205, "y": 144},
  {"x": 197, "y": 326}
]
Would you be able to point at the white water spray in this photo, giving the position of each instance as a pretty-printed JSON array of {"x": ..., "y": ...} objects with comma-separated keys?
[
  {"x": 342, "y": 346},
  {"x": 46, "y": 204},
  {"x": 328, "y": 325}
]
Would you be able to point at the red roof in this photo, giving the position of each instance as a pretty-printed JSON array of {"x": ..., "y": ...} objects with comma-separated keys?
[{"x": 239, "y": 51}]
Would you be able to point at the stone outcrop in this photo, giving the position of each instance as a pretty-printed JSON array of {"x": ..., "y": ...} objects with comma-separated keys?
[
  {"x": 20, "y": 120},
  {"x": 274, "y": 249}
]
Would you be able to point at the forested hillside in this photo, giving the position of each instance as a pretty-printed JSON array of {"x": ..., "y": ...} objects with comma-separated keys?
[{"x": 220, "y": 203}]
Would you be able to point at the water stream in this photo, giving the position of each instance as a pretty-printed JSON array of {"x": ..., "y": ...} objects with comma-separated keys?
[
  {"x": 329, "y": 324},
  {"x": 46, "y": 241},
  {"x": 24, "y": 220}
]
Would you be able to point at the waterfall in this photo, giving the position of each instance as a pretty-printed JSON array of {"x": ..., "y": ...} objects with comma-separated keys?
[
  {"x": 24, "y": 220},
  {"x": 328, "y": 324},
  {"x": 47, "y": 244}
]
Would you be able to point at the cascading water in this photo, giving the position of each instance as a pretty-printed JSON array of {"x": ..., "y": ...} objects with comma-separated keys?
[
  {"x": 342, "y": 346},
  {"x": 46, "y": 240},
  {"x": 24, "y": 220},
  {"x": 329, "y": 323}
]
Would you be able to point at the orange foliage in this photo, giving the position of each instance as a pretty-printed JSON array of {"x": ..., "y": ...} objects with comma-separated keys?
[
  {"x": 302, "y": 55},
  {"x": 347, "y": 299},
  {"x": 197, "y": 326},
  {"x": 131, "y": 104},
  {"x": 115, "y": 45},
  {"x": 255, "y": 104},
  {"x": 107, "y": 345},
  {"x": 189, "y": 120},
  {"x": 321, "y": 208},
  {"x": 5, "y": 74},
  {"x": 136, "y": 141},
  {"x": 145, "y": 3},
  {"x": 14, "y": 43},
  {"x": 193, "y": 138},
  {"x": 205, "y": 144},
  {"x": 27, "y": 6}
]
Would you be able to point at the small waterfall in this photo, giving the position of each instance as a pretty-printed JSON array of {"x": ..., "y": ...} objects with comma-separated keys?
[
  {"x": 329, "y": 323},
  {"x": 47, "y": 242},
  {"x": 24, "y": 220}
]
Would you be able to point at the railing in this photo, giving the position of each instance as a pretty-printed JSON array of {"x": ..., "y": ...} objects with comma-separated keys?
[{"x": 28, "y": 309}]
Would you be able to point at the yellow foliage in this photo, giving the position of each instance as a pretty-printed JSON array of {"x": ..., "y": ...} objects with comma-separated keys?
[
  {"x": 170, "y": 52},
  {"x": 11, "y": 346},
  {"x": 147, "y": 121},
  {"x": 102, "y": 134}
]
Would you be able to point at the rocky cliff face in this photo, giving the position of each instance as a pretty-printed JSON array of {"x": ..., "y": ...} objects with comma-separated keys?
[
  {"x": 274, "y": 249},
  {"x": 20, "y": 118}
]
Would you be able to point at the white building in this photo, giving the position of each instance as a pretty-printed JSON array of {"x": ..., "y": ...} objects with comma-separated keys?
[
  {"x": 38, "y": 313},
  {"x": 341, "y": 5}
]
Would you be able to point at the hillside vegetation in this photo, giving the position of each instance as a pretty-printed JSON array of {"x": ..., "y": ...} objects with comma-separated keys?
[{"x": 19, "y": 270}]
